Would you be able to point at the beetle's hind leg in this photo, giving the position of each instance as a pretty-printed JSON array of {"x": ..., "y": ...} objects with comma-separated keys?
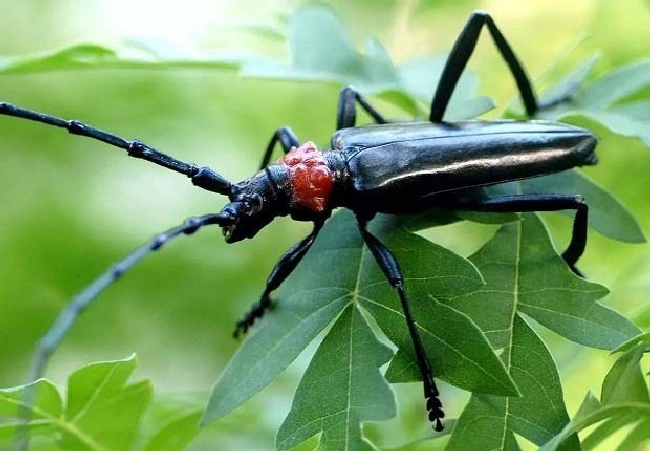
[
  {"x": 544, "y": 202},
  {"x": 388, "y": 264},
  {"x": 346, "y": 114},
  {"x": 459, "y": 55}
]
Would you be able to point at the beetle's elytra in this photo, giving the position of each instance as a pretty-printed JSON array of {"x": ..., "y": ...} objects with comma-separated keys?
[{"x": 384, "y": 167}]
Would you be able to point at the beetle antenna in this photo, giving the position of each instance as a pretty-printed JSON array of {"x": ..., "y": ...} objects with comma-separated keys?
[
  {"x": 83, "y": 299},
  {"x": 201, "y": 176},
  {"x": 66, "y": 319}
]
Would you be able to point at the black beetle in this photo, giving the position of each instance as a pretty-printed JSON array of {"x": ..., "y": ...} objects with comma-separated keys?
[{"x": 381, "y": 168}]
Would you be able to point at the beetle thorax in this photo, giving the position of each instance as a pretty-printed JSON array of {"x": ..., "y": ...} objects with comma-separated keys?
[{"x": 311, "y": 179}]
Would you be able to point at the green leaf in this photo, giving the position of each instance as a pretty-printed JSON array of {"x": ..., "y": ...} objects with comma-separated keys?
[
  {"x": 463, "y": 356},
  {"x": 96, "y": 57},
  {"x": 625, "y": 400},
  {"x": 607, "y": 428},
  {"x": 614, "y": 86},
  {"x": 603, "y": 99},
  {"x": 636, "y": 439},
  {"x": 81, "y": 56},
  {"x": 542, "y": 286},
  {"x": 321, "y": 49},
  {"x": 633, "y": 411},
  {"x": 633, "y": 342},
  {"x": 490, "y": 422},
  {"x": 638, "y": 110},
  {"x": 312, "y": 298},
  {"x": 341, "y": 388},
  {"x": 571, "y": 82},
  {"x": 621, "y": 123},
  {"x": 98, "y": 396},
  {"x": 45, "y": 410},
  {"x": 96, "y": 383},
  {"x": 176, "y": 434},
  {"x": 625, "y": 381},
  {"x": 419, "y": 78}
]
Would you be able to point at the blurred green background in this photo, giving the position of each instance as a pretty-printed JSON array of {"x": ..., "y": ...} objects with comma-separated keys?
[{"x": 71, "y": 207}]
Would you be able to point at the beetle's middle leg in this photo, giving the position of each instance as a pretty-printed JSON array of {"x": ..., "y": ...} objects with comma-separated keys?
[
  {"x": 388, "y": 264},
  {"x": 544, "y": 202},
  {"x": 346, "y": 113},
  {"x": 282, "y": 269}
]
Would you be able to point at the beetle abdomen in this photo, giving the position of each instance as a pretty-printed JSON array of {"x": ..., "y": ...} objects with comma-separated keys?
[{"x": 419, "y": 159}]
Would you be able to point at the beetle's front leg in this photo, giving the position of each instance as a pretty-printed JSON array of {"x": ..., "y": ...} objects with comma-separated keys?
[
  {"x": 346, "y": 114},
  {"x": 545, "y": 202},
  {"x": 388, "y": 264},
  {"x": 282, "y": 269}
]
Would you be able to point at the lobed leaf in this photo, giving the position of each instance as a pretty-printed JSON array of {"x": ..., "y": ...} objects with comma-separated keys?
[
  {"x": 314, "y": 295},
  {"x": 539, "y": 413},
  {"x": 103, "y": 411},
  {"x": 341, "y": 388},
  {"x": 44, "y": 411}
]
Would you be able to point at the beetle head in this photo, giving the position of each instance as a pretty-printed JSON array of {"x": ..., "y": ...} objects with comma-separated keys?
[{"x": 254, "y": 203}]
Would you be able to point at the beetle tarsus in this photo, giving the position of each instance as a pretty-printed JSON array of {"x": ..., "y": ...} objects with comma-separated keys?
[{"x": 257, "y": 311}]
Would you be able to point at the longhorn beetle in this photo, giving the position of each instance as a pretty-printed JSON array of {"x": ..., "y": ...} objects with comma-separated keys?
[{"x": 399, "y": 167}]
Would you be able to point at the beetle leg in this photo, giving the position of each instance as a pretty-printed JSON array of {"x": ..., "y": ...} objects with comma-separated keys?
[
  {"x": 287, "y": 139},
  {"x": 545, "y": 202},
  {"x": 282, "y": 269},
  {"x": 346, "y": 113},
  {"x": 459, "y": 55},
  {"x": 388, "y": 264},
  {"x": 202, "y": 177}
]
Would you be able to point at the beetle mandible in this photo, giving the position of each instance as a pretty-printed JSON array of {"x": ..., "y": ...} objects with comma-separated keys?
[{"x": 400, "y": 167}]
